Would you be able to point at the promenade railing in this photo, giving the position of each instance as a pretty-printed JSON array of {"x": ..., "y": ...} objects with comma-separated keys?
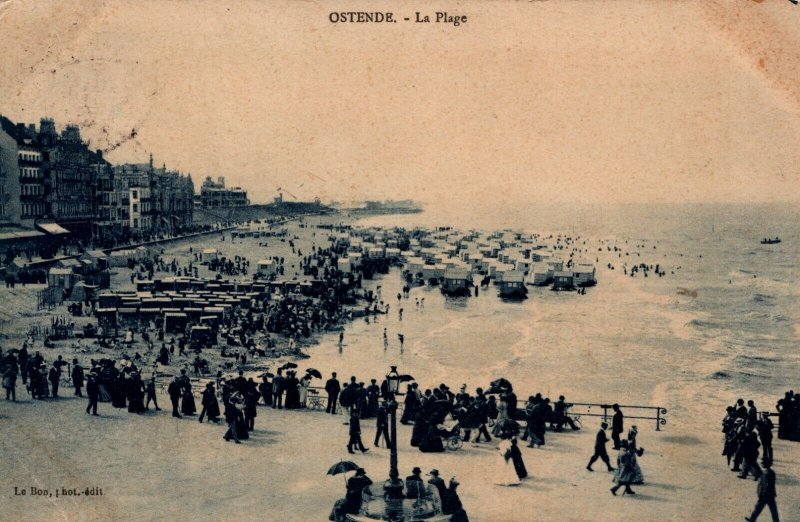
[{"x": 656, "y": 414}]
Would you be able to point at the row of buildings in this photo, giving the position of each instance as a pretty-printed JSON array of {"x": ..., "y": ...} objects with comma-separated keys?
[{"x": 52, "y": 183}]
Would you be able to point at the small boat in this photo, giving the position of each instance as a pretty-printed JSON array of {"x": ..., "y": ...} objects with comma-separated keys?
[{"x": 768, "y": 241}]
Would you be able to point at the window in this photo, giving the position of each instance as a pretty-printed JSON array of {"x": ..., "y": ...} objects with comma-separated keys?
[
  {"x": 136, "y": 207},
  {"x": 135, "y": 194}
]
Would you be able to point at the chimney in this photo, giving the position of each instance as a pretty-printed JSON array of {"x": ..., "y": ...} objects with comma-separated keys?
[{"x": 47, "y": 126}]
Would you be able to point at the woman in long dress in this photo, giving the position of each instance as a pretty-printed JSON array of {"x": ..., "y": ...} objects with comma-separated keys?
[
  {"x": 305, "y": 382},
  {"x": 638, "y": 477},
  {"x": 505, "y": 474},
  {"x": 625, "y": 473},
  {"x": 516, "y": 458},
  {"x": 188, "y": 406}
]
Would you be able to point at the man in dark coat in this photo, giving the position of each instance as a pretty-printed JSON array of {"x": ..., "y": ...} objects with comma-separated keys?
[
  {"x": 617, "y": 425},
  {"x": 766, "y": 495},
  {"x": 749, "y": 451},
  {"x": 355, "y": 434},
  {"x": 764, "y": 427},
  {"x": 415, "y": 486},
  {"x": 93, "y": 393},
  {"x": 77, "y": 377},
  {"x": 265, "y": 389},
  {"x": 438, "y": 483},
  {"x": 752, "y": 416},
  {"x": 600, "y": 448},
  {"x": 53, "y": 377},
  {"x": 175, "y": 391},
  {"x": 332, "y": 387},
  {"x": 355, "y": 488},
  {"x": 210, "y": 404},
  {"x": 382, "y": 426}
]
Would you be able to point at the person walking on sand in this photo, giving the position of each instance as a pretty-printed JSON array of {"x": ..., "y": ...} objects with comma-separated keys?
[
  {"x": 766, "y": 495},
  {"x": 355, "y": 433},
  {"x": 93, "y": 393},
  {"x": 175, "y": 391},
  {"x": 382, "y": 426},
  {"x": 210, "y": 404},
  {"x": 625, "y": 470},
  {"x": 505, "y": 473},
  {"x": 617, "y": 425},
  {"x": 600, "y": 448},
  {"x": 150, "y": 393}
]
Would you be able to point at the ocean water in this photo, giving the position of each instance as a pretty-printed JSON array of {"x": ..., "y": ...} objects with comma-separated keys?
[{"x": 631, "y": 340}]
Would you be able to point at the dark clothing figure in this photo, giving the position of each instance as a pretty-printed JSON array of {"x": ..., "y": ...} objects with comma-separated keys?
[
  {"x": 382, "y": 427},
  {"x": 277, "y": 391},
  {"x": 54, "y": 377},
  {"x": 231, "y": 417},
  {"x": 355, "y": 435},
  {"x": 93, "y": 393},
  {"x": 764, "y": 427},
  {"x": 766, "y": 496},
  {"x": 175, "y": 390},
  {"x": 77, "y": 379},
  {"x": 265, "y": 389},
  {"x": 617, "y": 426},
  {"x": 210, "y": 405},
  {"x": 519, "y": 464},
  {"x": 150, "y": 392},
  {"x": 600, "y": 451},
  {"x": 415, "y": 486},
  {"x": 332, "y": 387},
  {"x": 750, "y": 456}
]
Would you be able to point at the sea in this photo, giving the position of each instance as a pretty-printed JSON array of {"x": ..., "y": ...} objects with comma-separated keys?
[{"x": 722, "y": 323}]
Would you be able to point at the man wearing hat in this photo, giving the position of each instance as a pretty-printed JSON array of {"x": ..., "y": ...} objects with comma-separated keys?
[
  {"x": 415, "y": 486},
  {"x": 437, "y": 481},
  {"x": 175, "y": 391},
  {"x": 77, "y": 377},
  {"x": 600, "y": 448}
]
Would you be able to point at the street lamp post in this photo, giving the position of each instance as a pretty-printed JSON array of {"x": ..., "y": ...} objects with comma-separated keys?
[{"x": 393, "y": 488}]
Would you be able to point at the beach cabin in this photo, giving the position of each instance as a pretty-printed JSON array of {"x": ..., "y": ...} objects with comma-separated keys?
[
  {"x": 266, "y": 268},
  {"x": 208, "y": 255},
  {"x": 563, "y": 280},
  {"x": 583, "y": 274},
  {"x": 456, "y": 282},
  {"x": 393, "y": 253},
  {"x": 175, "y": 322},
  {"x": 513, "y": 285},
  {"x": 540, "y": 274},
  {"x": 555, "y": 265},
  {"x": 63, "y": 278},
  {"x": 522, "y": 264},
  {"x": 541, "y": 255}
]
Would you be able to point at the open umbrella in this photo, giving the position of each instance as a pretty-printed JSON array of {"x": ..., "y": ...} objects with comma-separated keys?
[
  {"x": 267, "y": 375},
  {"x": 407, "y": 378},
  {"x": 288, "y": 365},
  {"x": 343, "y": 466},
  {"x": 499, "y": 386},
  {"x": 314, "y": 373}
]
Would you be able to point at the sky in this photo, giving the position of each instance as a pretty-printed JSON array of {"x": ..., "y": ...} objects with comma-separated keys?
[{"x": 541, "y": 101}]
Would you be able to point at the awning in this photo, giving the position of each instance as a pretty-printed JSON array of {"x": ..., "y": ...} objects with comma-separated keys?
[
  {"x": 52, "y": 228},
  {"x": 22, "y": 234}
]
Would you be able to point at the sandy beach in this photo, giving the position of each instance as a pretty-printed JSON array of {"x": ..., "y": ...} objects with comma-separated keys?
[{"x": 134, "y": 457}]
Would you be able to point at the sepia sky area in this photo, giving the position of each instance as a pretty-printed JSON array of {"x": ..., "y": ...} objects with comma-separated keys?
[{"x": 542, "y": 101}]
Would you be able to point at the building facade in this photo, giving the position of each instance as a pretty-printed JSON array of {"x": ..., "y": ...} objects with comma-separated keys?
[
  {"x": 214, "y": 194},
  {"x": 49, "y": 178}
]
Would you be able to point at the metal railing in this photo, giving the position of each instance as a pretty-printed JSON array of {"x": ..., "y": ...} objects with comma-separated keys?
[{"x": 590, "y": 409}]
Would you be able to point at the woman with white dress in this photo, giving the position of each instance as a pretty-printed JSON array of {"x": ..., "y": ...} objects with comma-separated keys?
[
  {"x": 305, "y": 382},
  {"x": 505, "y": 473}
]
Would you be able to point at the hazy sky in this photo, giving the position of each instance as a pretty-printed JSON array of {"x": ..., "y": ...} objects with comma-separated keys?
[{"x": 528, "y": 101}]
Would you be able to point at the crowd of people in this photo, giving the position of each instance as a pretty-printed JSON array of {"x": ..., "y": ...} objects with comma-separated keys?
[{"x": 748, "y": 435}]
